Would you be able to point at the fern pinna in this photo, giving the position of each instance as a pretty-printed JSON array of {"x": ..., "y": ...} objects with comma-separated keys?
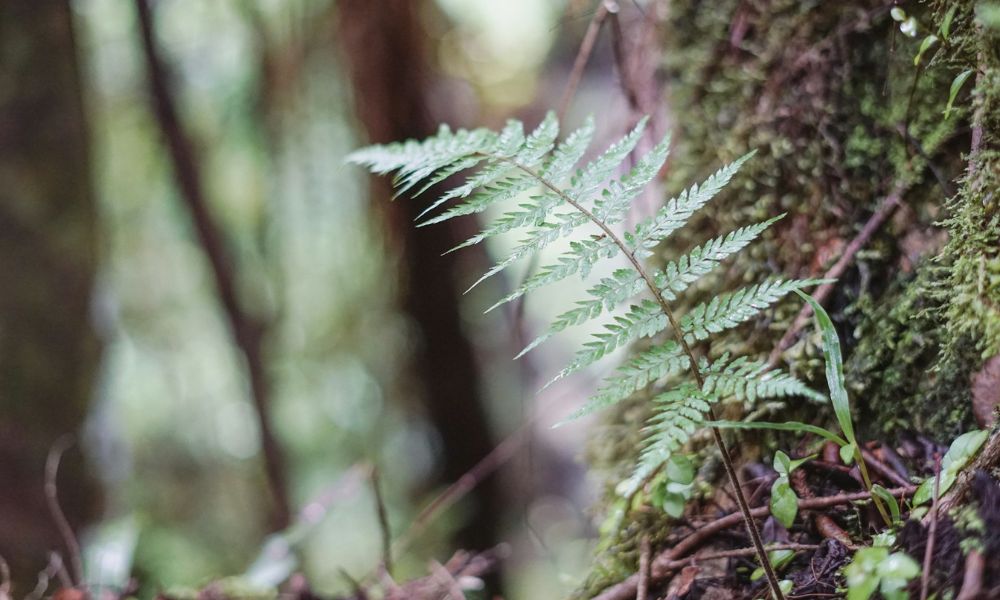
[{"x": 555, "y": 199}]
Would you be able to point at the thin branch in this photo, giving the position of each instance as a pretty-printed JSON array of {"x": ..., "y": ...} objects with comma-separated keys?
[
  {"x": 735, "y": 553},
  {"x": 54, "y": 568},
  {"x": 446, "y": 579},
  {"x": 55, "y": 510},
  {"x": 500, "y": 454},
  {"x": 583, "y": 56},
  {"x": 664, "y": 564},
  {"x": 647, "y": 550},
  {"x": 881, "y": 468},
  {"x": 823, "y": 522},
  {"x": 383, "y": 520},
  {"x": 248, "y": 332},
  {"x": 727, "y": 460},
  {"x": 882, "y": 213},
  {"x": 972, "y": 581}
]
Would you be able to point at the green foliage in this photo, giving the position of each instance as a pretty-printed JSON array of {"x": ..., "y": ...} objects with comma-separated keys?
[
  {"x": 784, "y": 502},
  {"x": 560, "y": 201},
  {"x": 874, "y": 568},
  {"x": 961, "y": 451}
]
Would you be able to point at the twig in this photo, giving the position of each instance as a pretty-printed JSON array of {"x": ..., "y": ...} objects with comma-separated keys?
[
  {"x": 881, "y": 468},
  {"x": 248, "y": 332},
  {"x": 383, "y": 521},
  {"x": 646, "y": 551},
  {"x": 824, "y": 523},
  {"x": 500, "y": 454},
  {"x": 55, "y": 510},
  {"x": 735, "y": 553},
  {"x": 618, "y": 47},
  {"x": 583, "y": 56},
  {"x": 882, "y": 213},
  {"x": 445, "y": 578},
  {"x": 925, "y": 579},
  {"x": 972, "y": 581},
  {"x": 53, "y": 569},
  {"x": 664, "y": 563}
]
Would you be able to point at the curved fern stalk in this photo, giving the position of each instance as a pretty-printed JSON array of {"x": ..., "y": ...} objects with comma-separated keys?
[{"x": 562, "y": 201}]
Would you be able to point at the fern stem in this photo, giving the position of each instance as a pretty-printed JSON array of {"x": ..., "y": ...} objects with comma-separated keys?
[{"x": 727, "y": 460}]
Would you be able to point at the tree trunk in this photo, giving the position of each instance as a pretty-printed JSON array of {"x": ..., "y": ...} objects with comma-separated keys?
[
  {"x": 385, "y": 54},
  {"x": 852, "y": 144},
  {"x": 845, "y": 125},
  {"x": 48, "y": 348}
]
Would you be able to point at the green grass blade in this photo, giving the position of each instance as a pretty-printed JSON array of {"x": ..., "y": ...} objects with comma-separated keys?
[{"x": 834, "y": 367}]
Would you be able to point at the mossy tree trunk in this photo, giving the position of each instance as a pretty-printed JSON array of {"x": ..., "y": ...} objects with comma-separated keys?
[
  {"x": 48, "y": 348},
  {"x": 851, "y": 140},
  {"x": 842, "y": 118}
]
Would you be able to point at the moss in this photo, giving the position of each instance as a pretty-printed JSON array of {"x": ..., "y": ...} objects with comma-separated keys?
[{"x": 825, "y": 92}]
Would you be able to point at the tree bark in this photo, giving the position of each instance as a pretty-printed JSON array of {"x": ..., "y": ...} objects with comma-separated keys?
[
  {"x": 385, "y": 54},
  {"x": 49, "y": 350}
]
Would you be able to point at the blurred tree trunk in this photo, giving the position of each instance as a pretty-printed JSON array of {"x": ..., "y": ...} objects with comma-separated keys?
[
  {"x": 48, "y": 349},
  {"x": 384, "y": 49}
]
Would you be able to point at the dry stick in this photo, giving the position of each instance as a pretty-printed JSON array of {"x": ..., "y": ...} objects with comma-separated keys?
[
  {"x": 464, "y": 484},
  {"x": 972, "y": 581},
  {"x": 247, "y": 331},
  {"x": 446, "y": 579},
  {"x": 383, "y": 521},
  {"x": 55, "y": 510},
  {"x": 647, "y": 550},
  {"x": 884, "y": 210},
  {"x": 881, "y": 468},
  {"x": 823, "y": 522},
  {"x": 583, "y": 56},
  {"x": 665, "y": 563},
  {"x": 925, "y": 578},
  {"x": 735, "y": 553},
  {"x": 727, "y": 460},
  {"x": 53, "y": 569}
]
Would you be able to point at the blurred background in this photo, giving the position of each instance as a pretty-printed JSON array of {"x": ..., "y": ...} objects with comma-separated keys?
[{"x": 237, "y": 329}]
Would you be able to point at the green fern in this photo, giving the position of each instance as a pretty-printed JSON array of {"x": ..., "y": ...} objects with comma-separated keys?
[{"x": 555, "y": 200}]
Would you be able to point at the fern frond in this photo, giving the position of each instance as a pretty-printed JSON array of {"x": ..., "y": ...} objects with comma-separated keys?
[
  {"x": 590, "y": 178},
  {"x": 650, "y": 365},
  {"x": 606, "y": 295},
  {"x": 580, "y": 258},
  {"x": 747, "y": 380},
  {"x": 538, "y": 208},
  {"x": 682, "y": 410},
  {"x": 678, "y": 414},
  {"x": 569, "y": 153},
  {"x": 617, "y": 198},
  {"x": 500, "y": 180},
  {"x": 678, "y": 275},
  {"x": 644, "y": 319},
  {"x": 676, "y": 212},
  {"x": 730, "y": 309}
]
